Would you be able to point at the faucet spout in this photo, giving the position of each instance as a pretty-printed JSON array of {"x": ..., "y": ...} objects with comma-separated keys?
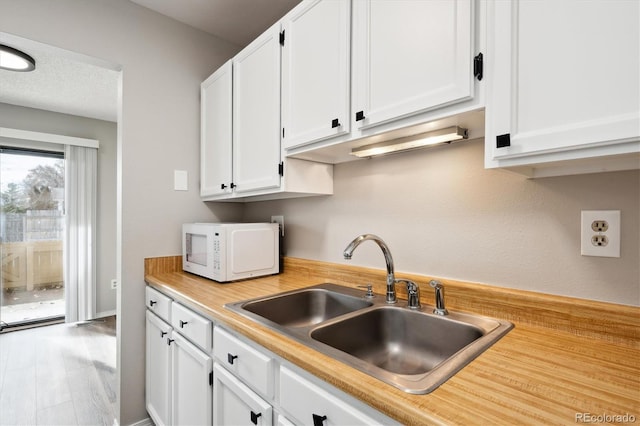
[{"x": 391, "y": 280}]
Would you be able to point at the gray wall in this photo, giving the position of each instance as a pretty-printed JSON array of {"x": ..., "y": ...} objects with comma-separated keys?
[
  {"x": 163, "y": 63},
  {"x": 105, "y": 132},
  {"x": 444, "y": 215}
]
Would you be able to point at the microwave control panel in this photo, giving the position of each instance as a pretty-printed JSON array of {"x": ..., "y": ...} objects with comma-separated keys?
[{"x": 217, "y": 250}]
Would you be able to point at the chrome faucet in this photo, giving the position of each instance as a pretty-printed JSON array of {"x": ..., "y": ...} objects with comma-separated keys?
[
  {"x": 440, "y": 309},
  {"x": 391, "y": 279}
]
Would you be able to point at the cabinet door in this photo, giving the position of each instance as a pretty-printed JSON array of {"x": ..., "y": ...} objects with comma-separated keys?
[
  {"x": 410, "y": 56},
  {"x": 215, "y": 132},
  {"x": 235, "y": 404},
  {"x": 564, "y": 80},
  {"x": 158, "y": 370},
  {"x": 315, "y": 72},
  {"x": 256, "y": 113},
  {"x": 309, "y": 404},
  {"x": 192, "y": 384}
]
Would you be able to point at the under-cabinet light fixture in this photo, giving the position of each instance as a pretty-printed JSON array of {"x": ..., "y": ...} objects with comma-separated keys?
[
  {"x": 15, "y": 60},
  {"x": 446, "y": 135}
]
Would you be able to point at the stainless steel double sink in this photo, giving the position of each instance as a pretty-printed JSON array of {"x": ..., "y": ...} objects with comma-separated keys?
[{"x": 413, "y": 350}]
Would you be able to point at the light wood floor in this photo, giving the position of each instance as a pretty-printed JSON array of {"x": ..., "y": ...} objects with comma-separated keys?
[{"x": 60, "y": 374}]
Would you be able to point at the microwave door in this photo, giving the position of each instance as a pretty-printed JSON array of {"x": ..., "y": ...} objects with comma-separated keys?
[
  {"x": 196, "y": 249},
  {"x": 252, "y": 251}
]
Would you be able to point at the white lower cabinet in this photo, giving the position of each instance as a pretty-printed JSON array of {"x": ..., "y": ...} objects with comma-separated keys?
[
  {"x": 158, "y": 368},
  {"x": 192, "y": 383},
  {"x": 310, "y": 404},
  {"x": 246, "y": 385},
  {"x": 244, "y": 361},
  {"x": 236, "y": 404},
  {"x": 179, "y": 376},
  {"x": 281, "y": 420},
  {"x": 191, "y": 325}
]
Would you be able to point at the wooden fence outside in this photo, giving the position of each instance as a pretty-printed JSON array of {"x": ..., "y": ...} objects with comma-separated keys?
[{"x": 31, "y": 264}]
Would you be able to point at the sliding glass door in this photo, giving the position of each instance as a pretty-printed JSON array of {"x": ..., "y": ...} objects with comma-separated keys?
[{"x": 31, "y": 236}]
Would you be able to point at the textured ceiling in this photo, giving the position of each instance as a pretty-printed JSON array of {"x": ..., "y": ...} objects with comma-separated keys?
[{"x": 62, "y": 84}]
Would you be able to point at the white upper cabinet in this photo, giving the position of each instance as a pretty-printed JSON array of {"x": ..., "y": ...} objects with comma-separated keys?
[
  {"x": 315, "y": 72},
  {"x": 563, "y": 86},
  {"x": 241, "y": 154},
  {"x": 410, "y": 56},
  {"x": 215, "y": 127},
  {"x": 256, "y": 114}
]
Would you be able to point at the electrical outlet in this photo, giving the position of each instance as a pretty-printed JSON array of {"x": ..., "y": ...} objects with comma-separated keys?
[
  {"x": 280, "y": 221},
  {"x": 114, "y": 284},
  {"x": 600, "y": 233}
]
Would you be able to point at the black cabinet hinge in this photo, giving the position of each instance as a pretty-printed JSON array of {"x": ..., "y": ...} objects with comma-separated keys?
[
  {"x": 282, "y": 38},
  {"x": 503, "y": 141},
  {"x": 211, "y": 379},
  {"x": 478, "y": 65},
  {"x": 281, "y": 169}
]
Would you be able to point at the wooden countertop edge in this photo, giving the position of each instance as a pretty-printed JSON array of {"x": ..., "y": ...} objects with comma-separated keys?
[{"x": 436, "y": 407}]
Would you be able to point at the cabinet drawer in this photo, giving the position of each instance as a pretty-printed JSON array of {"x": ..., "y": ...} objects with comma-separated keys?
[
  {"x": 191, "y": 325},
  {"x": 308, "y": 404},
  {"x": 252, "y": 366},
  {"x": 158, "y": 303},
  {"x": 235, "y": 404}
]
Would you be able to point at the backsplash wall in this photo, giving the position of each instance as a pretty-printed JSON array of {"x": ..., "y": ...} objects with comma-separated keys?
[{"x": 442, "y": 214}]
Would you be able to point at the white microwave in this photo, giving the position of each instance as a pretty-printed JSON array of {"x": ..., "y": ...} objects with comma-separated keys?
[{"x": 226, "y": 252}]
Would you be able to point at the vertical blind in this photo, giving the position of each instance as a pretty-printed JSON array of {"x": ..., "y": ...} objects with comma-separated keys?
[{"x": 80, "y": 241}]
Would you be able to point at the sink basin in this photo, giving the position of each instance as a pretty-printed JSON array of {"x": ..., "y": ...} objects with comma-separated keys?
[
  {"x": 398, "y": 340},
  {"x": 305, "y": 307},
  {"x": 413, "y": 350}
]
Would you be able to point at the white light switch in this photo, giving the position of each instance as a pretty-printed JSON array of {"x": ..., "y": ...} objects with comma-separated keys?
[{"x": 180, "y": 180}]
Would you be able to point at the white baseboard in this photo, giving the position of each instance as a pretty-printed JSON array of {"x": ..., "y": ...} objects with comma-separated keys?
[
  {"x": 105, "y": 314},
  {"x": 143, "y": 422}
]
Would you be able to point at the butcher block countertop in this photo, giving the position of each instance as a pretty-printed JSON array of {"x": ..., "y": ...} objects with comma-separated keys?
[{"x": 566, "y": 361}]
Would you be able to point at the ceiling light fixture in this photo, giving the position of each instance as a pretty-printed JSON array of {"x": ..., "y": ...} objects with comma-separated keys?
[
  {"x": 15, "y": 60},
  {"x": 447, "y": 135}
]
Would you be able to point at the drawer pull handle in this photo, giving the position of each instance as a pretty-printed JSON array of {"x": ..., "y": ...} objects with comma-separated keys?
[
  {"x": 231, "y": 358},
  {"x": 162, "y": 333},
  {"x": 335, "y": 123},
  {"x": 169, "y": 341},
  {"x": 318, "y": 420},
  {"x": 360, "y": 116},
  {"x": 254, "y": 417},
  {"x": 183, "y": 323},
  {"x": 152, "y": 302}
]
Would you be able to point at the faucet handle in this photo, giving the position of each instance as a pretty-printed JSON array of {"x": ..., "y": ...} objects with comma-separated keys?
[
  {"x": 413, "y": 293},
  {"x": 369, "y": 288}
]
